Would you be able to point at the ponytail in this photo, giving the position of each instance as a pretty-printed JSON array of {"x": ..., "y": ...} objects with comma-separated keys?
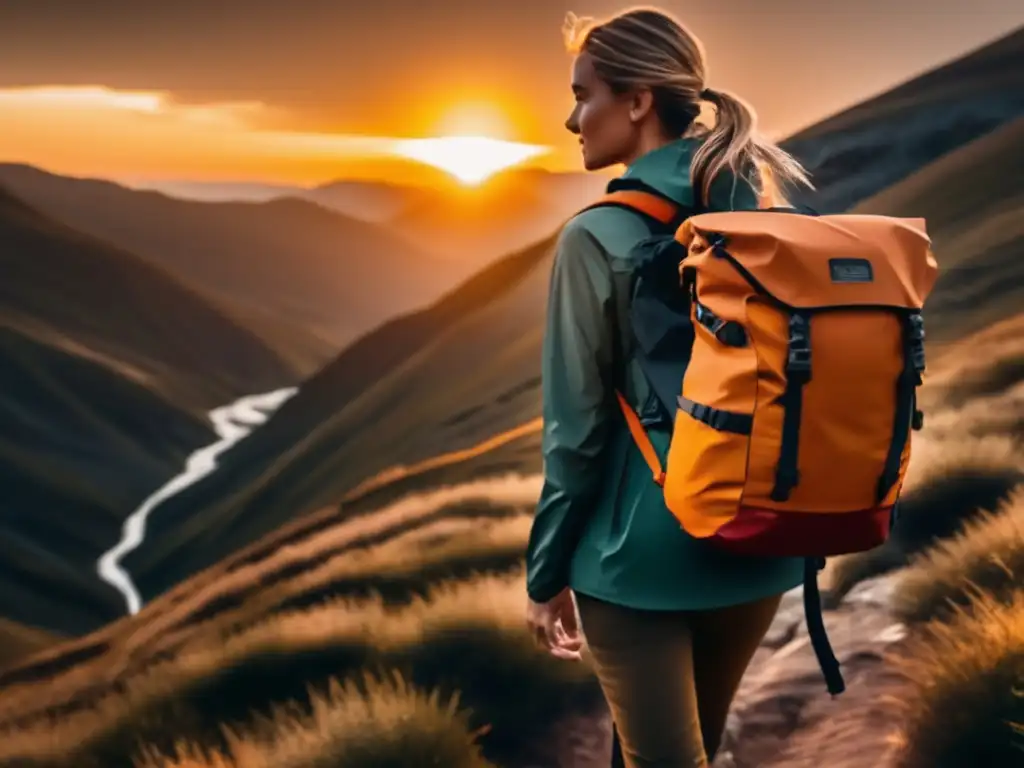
[{"x": 734, "y": 143}]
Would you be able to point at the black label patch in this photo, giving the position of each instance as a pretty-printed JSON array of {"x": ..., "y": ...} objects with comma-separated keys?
[{"x": 850, "y": 270}]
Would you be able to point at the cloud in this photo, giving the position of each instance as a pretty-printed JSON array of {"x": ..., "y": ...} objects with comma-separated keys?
[
  {"x": 100, "y": 127},
  {"x": 100, "y": 98}
]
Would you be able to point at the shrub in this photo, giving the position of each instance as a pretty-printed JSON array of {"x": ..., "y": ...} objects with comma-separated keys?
[
  {"x": 965, "y": 702},
  {"x": 987, "y": 557},
  {"x": 383, "y": 723}
]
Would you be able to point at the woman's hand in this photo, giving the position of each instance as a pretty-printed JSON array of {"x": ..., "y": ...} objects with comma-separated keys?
[{"x": 553, "y": 624}]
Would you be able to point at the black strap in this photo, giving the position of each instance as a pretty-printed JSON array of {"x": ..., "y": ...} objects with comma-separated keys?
[
  {"x": 723, "y": 421},
  {"x": 906, "y": 416},
  {"x": 618, "y": 761},
  {"x": 816, "y": 627},
  {"x": 798, "y": 373}
]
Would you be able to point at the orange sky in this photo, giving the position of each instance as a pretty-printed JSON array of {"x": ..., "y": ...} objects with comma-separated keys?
[{"x": 309, "y": 90}]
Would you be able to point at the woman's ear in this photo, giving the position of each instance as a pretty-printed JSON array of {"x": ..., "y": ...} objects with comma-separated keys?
[{"x": 641, "y": 104}]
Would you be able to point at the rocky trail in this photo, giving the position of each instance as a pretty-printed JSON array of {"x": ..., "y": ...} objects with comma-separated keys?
[{"x": 783, "y": 716}]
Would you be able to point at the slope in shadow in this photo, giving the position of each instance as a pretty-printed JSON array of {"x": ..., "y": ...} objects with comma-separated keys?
[
  {"x": 76, "y": 293},
  {"x": 75, "y": 459},
  {"x": 973, "y": 199},
  {"x": 880, "y": 141}
]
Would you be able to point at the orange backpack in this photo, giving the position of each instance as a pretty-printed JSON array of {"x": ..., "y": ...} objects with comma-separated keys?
[{"x": 792, "y": 423}]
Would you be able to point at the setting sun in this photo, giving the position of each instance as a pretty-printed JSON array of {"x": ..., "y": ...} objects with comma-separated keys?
[{"x": 470, "y": 159}]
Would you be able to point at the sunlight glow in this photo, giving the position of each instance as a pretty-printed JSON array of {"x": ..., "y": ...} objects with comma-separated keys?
[
  {"x": 470, "y": 159},
  {"x": 473, "y": 118}
]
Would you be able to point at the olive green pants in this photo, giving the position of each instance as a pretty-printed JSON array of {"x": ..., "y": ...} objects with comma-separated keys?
[{"x": 670, "y": 677}]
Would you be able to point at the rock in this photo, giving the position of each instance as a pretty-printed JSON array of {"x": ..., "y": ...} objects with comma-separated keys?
[
  {"x": 876, "y": 592},
  {"x": 783, "y": 717},
  {"x": 787, "y": 621}
]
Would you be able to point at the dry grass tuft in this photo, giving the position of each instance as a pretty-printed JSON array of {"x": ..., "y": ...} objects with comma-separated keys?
[
  {"x": 380, "y": 723},
  {"x": 463, "y": 637},
  {"x": 965, "y": 704},
  {"x": 986, "y": 558},
  {"x": 369, "y": 557},
  {"x": 948, "y": 484}
]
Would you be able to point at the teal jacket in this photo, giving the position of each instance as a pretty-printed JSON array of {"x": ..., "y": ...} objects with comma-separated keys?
[{"x": 601, "y": 525}]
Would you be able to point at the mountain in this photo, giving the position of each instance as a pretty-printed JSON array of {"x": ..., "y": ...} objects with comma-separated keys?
[
  {"x": 378, "y": 202},
  {"x": 512, "y": 210},
  {"x": 465, "y": 226},
  {"x": 876, "y": 143},
  {"x": 217, "y": 191},
  {"x": 84, "y": 297},
  {"x": 373, "y": 201},
  {"x": 109, "y": 366},
  {"x": 306, "y": 279}
]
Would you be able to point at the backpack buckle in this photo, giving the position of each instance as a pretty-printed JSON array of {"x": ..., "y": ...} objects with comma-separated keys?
[
  {"x": 915, "y": 331},
  {"x": 799, "y": 361},
  {"x": 798, "y": 356}
]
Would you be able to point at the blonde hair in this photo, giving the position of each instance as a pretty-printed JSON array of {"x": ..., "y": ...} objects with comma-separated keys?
[{"x": 647, "y": 48}]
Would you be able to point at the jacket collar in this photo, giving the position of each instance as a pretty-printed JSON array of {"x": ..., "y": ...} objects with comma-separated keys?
[{"x": 666, "y": 169}]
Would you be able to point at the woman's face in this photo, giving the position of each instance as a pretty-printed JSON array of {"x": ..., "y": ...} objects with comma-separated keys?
[{"x": 602, "y": 119}]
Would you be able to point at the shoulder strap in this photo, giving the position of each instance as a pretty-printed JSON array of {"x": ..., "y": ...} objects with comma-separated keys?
[
  {"x": 663, "y": 214},
  {"x": 642, "y": 199}
]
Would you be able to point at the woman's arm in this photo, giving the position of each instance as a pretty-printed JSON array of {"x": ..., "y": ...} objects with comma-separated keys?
[{"x": 577, "y": 355}]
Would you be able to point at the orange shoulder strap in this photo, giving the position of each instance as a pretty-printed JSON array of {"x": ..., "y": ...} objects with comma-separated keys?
[
  {"x": 643, "y": 442},
  {"x": 655, "y": 206}
]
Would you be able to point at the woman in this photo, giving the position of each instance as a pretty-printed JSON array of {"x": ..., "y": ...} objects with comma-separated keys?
[{"x": 670, "y": 622}]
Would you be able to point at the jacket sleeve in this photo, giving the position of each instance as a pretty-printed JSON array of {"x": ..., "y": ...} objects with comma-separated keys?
[{"x": 576, "y": 360}]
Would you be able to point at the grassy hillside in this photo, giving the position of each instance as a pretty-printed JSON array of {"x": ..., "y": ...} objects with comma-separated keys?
[
  {"x": 293, "y": 271},
  {"x": 354, "y": 622},
  {"x": 874, "y": 144}
]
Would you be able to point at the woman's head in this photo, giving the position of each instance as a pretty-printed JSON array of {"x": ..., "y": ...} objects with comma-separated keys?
[{"x": 639, "y": 79}]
